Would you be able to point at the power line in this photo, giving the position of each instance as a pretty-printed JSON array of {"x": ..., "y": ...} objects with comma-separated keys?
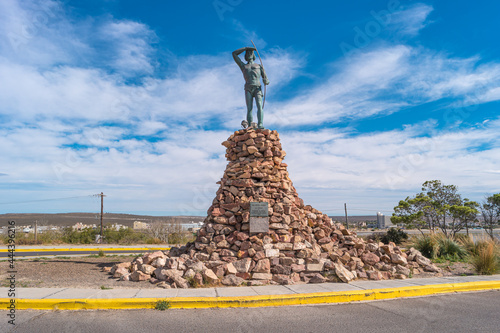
[{"x": 41, "y": 200}]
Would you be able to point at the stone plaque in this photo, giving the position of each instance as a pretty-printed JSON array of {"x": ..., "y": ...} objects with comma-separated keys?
[
  {"x": 259, "y": 209},
  {"x": 259, "y": 224}
]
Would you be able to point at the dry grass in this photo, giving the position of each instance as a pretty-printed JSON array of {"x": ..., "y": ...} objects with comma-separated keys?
[{"x": 485, "y": 257}]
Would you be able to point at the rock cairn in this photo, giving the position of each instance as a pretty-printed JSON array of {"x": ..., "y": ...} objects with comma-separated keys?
[{"x": 302, "y": 245}]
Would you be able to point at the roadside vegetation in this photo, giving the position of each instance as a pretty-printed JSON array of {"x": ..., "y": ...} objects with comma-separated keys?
[
  {"x": 155, "y": 235},
  {"x": 440, "y": 207},
  {"x": 482, "y": 254}
]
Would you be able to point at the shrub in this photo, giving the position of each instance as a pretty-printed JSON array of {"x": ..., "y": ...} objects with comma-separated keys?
[
  {"x": 394, "y": 235},
  {"x": 485, "y": 258},
  {"x": 427, "y": 245},
  {"x": 449, "y": 248}
]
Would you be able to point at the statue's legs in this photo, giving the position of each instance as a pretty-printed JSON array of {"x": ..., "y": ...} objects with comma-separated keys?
[
  {"x": 260, "y": 112},
  {"x": 249, "y": 100}
]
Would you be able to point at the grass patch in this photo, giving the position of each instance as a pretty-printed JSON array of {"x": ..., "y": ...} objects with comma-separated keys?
[
  {"x": 101, "y": 253},
  {"x": 485, "y": 258},
  {"x": 483, "y": 254},
  {"x": 439, "y": 247},
  {"x": 162, "y": 305},
  {"x": 105, "y": 288}
]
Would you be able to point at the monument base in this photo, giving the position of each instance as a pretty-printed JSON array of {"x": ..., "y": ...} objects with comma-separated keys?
[{"x": 290, "y": 243}]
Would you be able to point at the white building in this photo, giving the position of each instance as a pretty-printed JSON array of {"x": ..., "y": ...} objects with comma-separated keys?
[{"x": 383, "y": 221}]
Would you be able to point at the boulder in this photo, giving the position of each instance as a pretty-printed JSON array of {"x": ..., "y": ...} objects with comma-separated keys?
[
  {"x": 232, "y": 280},
  {"x": 343, "y": 274},
  {"x": 243, "y": 265},
  {"x": 139, "y": 276},
  {"x": 370, "y": 258},
  {"x": 209, "y": 276},
  {"x": 398, "y": 259}
]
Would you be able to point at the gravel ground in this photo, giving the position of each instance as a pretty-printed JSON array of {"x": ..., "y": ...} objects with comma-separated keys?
[
  {"x": 85, "y": 272},
  {"x": 75, "y": 272}
]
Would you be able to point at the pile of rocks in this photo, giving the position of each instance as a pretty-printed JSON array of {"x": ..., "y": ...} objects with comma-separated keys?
[{"x": 302, "y": 245}]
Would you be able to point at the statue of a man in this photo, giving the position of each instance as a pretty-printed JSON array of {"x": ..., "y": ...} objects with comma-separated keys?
[{"x": 252, "y": 73}]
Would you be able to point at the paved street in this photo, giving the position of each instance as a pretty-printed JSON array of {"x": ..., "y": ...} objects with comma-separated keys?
[{"x": 467, "y": 312}]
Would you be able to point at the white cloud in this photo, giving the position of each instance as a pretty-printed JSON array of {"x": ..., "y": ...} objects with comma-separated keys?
[
  {"x": 410, "y": 21},
  {"x": 371, "y": 169},
  {"x": 388, "y": 79}
]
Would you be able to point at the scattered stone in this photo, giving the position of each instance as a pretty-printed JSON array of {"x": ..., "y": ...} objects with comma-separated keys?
[
  {"x": 209, "y": 276},
  {"x": 343, "y": 274},
  {"x": 317, "y": 278},
  {"x": 232, "y": 280},
  {"x": 139, "y": 276}
]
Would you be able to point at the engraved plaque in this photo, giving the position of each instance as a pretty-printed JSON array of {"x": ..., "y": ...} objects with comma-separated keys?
[
  {"x": 259, "y": 209},
  {"x": 259, "y": 224}
]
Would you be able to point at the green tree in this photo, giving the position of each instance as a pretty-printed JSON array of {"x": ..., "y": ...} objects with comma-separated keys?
[
  {"x": 490, "y": 210},
  {"x": 409, "y": 212},
  {"x": 463, "y": 215},
  {"x": 441, "y": 198},
  {"x": 437, "y": 206}
]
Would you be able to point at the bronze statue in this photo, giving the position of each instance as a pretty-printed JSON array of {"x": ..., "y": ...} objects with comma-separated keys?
[{"x": 252, "y": 73}]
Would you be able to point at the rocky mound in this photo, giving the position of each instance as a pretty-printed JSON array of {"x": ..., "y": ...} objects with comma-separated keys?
[{"x": 302, "y": 245}]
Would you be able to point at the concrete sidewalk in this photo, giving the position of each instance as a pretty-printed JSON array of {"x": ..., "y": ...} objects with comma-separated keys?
[{"x": 272, "y": 295}]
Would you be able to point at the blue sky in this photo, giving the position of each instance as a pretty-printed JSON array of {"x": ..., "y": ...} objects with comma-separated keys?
[{"x": 371, "y": 99}]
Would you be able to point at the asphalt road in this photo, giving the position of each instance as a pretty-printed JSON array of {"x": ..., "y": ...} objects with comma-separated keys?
[{"x": 465, "y": 312}]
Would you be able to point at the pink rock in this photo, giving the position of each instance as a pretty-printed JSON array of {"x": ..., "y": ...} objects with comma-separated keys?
[
  {"x": 263, "y": 266},
  {"x": 210, "y": 276},
  {"x": 243, "y": 265},
  {"x": 139, "y": 276},
  {"x": 122, "y": 271},
  {"x": 398, "y": 259},
  {"x": 370, "y": 258},
  {"x": 374, "y": 275}
]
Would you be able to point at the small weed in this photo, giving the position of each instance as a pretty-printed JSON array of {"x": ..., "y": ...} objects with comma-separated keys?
[
  {"x": 162, "y": 305},
  {"x": 192, "y": 282},
  {"x": 63, "y": 257},
  {"x": 101, "y": 253},
  {"x": 105, "y": 288}
]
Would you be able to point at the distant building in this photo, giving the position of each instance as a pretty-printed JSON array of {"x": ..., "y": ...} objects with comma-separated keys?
[
  {"x": 138, "y": 225},
  {"x": 117, "y": 226},
  {"x": 192, "y": 226},
  {"x": 78, "y": 226},
  {"x": 383, "y": 221}
]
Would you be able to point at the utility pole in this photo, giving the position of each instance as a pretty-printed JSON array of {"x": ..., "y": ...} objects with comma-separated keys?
[
  {"x": 102, "y": 210},
  {"x": 346, "y": 221},
  {"x": 36, "y": 233}
]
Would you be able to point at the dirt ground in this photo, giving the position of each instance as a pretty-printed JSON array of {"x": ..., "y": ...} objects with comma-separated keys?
[
  {"x": 74, "y": 272},
  {"x": 85, "y": 272}
]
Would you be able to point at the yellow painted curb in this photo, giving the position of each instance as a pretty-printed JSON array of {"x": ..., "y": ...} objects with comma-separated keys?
[
  {"x": 90, "y": 249},
  {"x": 251, "y": 301}
]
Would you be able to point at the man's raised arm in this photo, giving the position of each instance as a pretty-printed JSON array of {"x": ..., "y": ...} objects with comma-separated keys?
[{"x": 238, "y": 52}]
